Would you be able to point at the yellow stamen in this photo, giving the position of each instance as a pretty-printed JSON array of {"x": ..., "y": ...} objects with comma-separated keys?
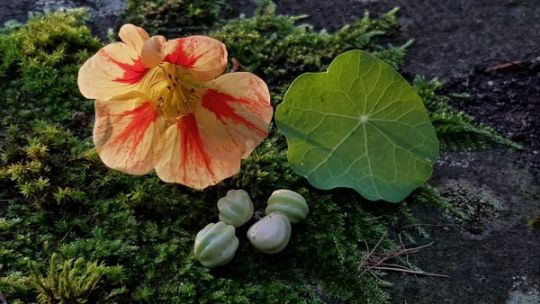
[{"x": 178, "y": 94}]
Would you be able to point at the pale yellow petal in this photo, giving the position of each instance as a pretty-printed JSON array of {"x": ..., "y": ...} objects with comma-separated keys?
[
  {"x": 127, "y": 132},
  {"x": 152, "y": 51},
  {"x": 133, "y": 36},
  {"x": 115, "y": 69},
  {"x": 102, "y": 126},
  {"x": 204, "y": 57},
  {"x": 234, "y": 115},
  {"x": 183, "y": 157}
]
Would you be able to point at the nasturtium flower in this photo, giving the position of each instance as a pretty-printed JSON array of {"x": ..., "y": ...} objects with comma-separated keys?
[{"x": 162, "y": 104}]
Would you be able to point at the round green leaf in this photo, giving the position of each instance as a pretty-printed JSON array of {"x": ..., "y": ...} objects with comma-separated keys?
[{"x": 359, "y": 125}]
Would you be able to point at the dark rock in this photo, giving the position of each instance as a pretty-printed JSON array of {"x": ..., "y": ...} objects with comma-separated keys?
[{"x": 105, "y": 13}]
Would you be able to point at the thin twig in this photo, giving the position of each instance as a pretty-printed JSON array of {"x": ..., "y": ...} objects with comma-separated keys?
[
  {"x": 371, "y": 261},
  {"x": 366, "y": 257},
  {"x": 412, "y": 272},
  {"x": 507, "y": 65},
  {"x": 393, "y": 265}
]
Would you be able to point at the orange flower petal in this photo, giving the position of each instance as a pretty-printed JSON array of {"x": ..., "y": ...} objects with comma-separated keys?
[
  {"x": 151, "y": 53},
  {"x": 126, "y": 133},
  {"x": 118, "y": 67},
  {"x": 183, "y": 157},
  {"x": 234, "y": 114},
  {"x": 204, "y": 57},
  {"x": 133, "y": 36},
  {"x": 113, "y": 70},
  {"x": 206, "y": 147}
]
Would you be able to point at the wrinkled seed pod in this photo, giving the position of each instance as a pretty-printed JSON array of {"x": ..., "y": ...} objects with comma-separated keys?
[
  {"x": 271, "y": 234},
  {"x": 235, "y": 208},
  {"x": 290, "y": 203},
  {"x": 215, "y": 244}
]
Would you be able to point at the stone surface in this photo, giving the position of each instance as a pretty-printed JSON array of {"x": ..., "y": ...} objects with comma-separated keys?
[
  {"x": 105, "y": 12},
  {"x": 451, "y": 36},
  {"x": 457, "y": 40}
]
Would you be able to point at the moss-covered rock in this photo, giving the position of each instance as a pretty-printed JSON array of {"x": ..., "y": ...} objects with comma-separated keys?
[
  {"x": 38, "y": 67},
  {"x": 279, "y": 48},
  {"x": 174, "y": 17},
  {"x": 56, "y": 197},
  {"x": 65, "y": 201}
]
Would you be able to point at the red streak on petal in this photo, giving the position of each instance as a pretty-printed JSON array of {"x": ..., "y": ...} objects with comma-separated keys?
[
  {"x": 183, "y": 54},
  {"x": 219, "y": 104},
  {"x": 140, "y": 119},
  {"x": 132, "y": 72},
  {"x": 191, "y": 145}
]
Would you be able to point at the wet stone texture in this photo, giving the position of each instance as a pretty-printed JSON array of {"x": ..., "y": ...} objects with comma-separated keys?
[
  {"x": 506, "y": 96},
  {"x": 105, "y": 12},
  {"x": 489, "y": 50},
  {"x": 492, "y": 255}
]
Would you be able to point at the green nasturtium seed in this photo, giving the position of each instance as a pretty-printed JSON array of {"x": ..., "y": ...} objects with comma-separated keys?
[
  {"x": 235, "y": 208},
  {"x": 359, "y": 125},
  {"x": 288, "y": 202},
  {"x": 215, "y": 244},
  {"x": 271, "y": 234}
]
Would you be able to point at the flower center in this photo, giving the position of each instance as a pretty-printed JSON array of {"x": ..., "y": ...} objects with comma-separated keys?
[{"x": 176, "y": 92}]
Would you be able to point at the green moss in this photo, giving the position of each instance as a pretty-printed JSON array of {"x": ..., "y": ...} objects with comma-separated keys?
[
  {"x": 147, "y": 227},
  {"x": 75, "y": 207},
  {"x": 38, "y": 67},
  {"x": 174, "y": 18},
  {"x": 431, "y": 196},
  {"x": 279, "y": 49},
  {"x": 456, "y": 130},
  {"x": 74, "y": 281},
  {"x": 58, "y": 199},
  {"x": 478, "y": 207}
]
